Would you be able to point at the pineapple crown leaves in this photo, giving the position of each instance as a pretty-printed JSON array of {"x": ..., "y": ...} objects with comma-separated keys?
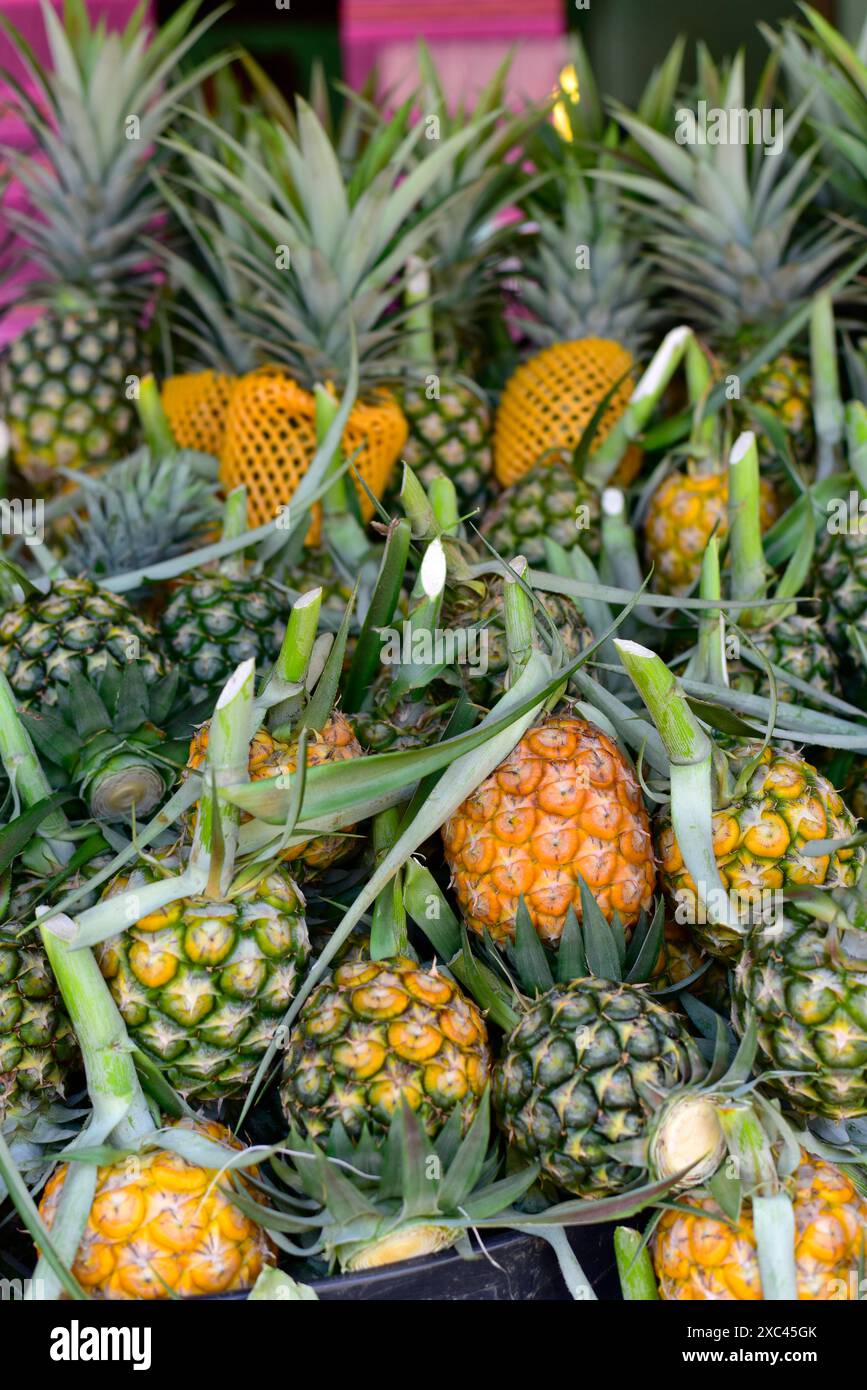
[
  {"x": 833, "y": 71},
  {"x": 348, "y": 246},
  {"x": 729, "y": 228},
  {"x": 91, "y": 189},
  {"x": 139, "y": 511},
  {"x": 368, "y": 1190},
  {"x": 608, "y": 298}
]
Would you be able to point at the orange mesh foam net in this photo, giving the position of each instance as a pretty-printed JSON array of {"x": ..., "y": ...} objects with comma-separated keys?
[
  {"x": 196, "y": 405},
  {"x": 549, "y": 401},
  {"x": 270, "y": 441}
]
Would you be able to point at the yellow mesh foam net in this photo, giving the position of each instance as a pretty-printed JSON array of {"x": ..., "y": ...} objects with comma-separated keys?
[
  {"x": 270, "y": 440},
  {"x": 196, "y": 405},
  {"x": 550, "y": 399}
]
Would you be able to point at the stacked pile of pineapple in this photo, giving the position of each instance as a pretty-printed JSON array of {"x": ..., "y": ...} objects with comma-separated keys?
[{"x": 432, "y": 668}]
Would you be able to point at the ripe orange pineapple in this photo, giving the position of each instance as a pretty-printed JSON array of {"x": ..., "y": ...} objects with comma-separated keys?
[
  {"x": 564, "y": 805},
  {"x": 270, "y": 757},
  {"x": 699, "y": 1255},
  {"x": 161, "y": 1227}
]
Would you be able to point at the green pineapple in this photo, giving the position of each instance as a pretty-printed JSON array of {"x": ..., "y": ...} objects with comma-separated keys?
[
  {"x": 73, "y": 627},
  {"x": 66, "y": 379},
  {"x": 551, "y": 502}
]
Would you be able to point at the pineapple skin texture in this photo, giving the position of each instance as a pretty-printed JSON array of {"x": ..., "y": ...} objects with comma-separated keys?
[
  {"x": 160, "y": 1226},
  {"x": 63, "y": 385},
  {"x": 758, "y": 841},
  {"x": 549, "y": 400},
  {"x": 450, "y": 435},
  {"x": 196, "y": 404},
  {"x": 76, "y": 626},
  {"x": 376, "y": 1032},
  {"x": 811, "y": 1011},
  {"x": 564, "y": 805},
  {"x": 202, "y": 984},
  {"x": 572, "y": 1074},
  {"x": 684, "y": 512},
  {"x": 335, "y": 742},
  {"x": 699, "y": 1256}
]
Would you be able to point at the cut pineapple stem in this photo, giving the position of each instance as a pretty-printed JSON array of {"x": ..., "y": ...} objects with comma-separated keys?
[
  {"x": 634, "y": 1266},
  {"x": 772, "y": 1211},
  {"x": 828, "y": 414},
  {"x": 234, "y": 525},
  {"x": 519, "y": 618},
  {"x": 444, "y": 500},
  {"x": 346, "y": 535},
  {"x": 749, "y": 581},
  {"x": 418, "y": 507},
  {"x": 282, "y": 698},
  {"x": 690, "y": 753},
  {"x": 641, "y": 406},
  {"x": 419, "y": 317},
  {"x": 216, "y": 837},
  {"x": 211, "y": 861},
  {"x": 619, "y": 549},
  {"x": 120, "y": 1111},
  {"x": 388, "y": 934},
  {"x": 154, "y": 422},
  {"x": 699, "y": 380},
  {"x": 709, "y": 661},
  {"x": 856, "y": 441}
]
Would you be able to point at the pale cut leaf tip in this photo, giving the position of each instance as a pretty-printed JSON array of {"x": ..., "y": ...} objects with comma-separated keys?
[
  {"x": 613, "y": 501},
  {"x": 433, "y": 569},
  {"x": 741, "y": 447},
  {"x": 238, "y": 678}
]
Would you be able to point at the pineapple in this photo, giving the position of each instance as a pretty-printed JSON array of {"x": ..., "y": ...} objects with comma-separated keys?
[
  {"x": 214, "y": 621},
  {"x": 563, "y": 809},
  {"x": 103, "y": 738},
  {"x": 563, "y": 1104},
  {"x": 379, "y": 1032},
  {"x": 37, "y": 1045},
  {"x": 551, "y": 502},
  {"x": 275, "y": 757},
  {"x": 589, "y": 322},
  {"x": 202, "y": 983},
  {"x": 760, "y": 829},
  {"x": 734, "y": 249},
  {"x": 66, "y": 380},
  {"x": 164, "y": 1226},
  {"x": 688, "y": 507},
  {"x": 139, "y": 512},
  {"x": 700, "y": 1253},
  {"x": 307, "y": 307},
  {"x": 801, "y": 978},
  {"x": 73, "y": 627}
]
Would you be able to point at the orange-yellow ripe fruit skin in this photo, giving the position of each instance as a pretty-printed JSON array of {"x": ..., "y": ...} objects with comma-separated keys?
[
  {"x": 564, "y": 805},
  {"x": 161, "y": 1227},
  {"x": 270, "y": 441},
  {"x": 335, "y": 742},
  {"x": 196, "y": 404},
  {"x": 549, "y": 401},
  {"x": 683, "y": 513},
  {"x": 698, "y": 1255}
]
